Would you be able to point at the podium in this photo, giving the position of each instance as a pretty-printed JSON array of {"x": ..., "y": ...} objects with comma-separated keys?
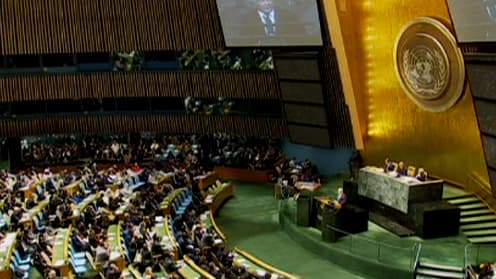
[
  {"x": 304, "y": 211},
  {"x": 350, "y": 219},
  {"x": 436, "y": 219}
]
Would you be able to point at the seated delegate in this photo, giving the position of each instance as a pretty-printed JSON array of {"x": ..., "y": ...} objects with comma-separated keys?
[
  {"x": 388, "y": 165},
  {"x": 401, "y": 170},
  {"x": 421, "y": 175},
  {"x": 341, "y": 199}
]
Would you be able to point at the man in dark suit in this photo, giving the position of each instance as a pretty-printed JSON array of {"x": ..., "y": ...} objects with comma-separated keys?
[{"x": 270, "y": 24}]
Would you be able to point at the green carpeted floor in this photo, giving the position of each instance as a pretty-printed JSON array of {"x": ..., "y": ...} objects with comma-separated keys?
[{"x": 250, "y": 221}]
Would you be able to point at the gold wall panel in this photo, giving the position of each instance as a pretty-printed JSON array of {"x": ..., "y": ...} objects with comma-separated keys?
[{"x": 447, "y": 144}]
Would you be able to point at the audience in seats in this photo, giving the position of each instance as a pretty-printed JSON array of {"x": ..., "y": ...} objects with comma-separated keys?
[
  {"x": 104, "y": 191},
  {"x": 215, "y": 150}
]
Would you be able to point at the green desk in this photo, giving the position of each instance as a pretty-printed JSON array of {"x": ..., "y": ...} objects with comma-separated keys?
[
  {"x": 132, "y": 273},
  {"x": 216, "y": 197},
  {"x": 187, "y": 271},
  {"x": 7, "y": 247},
  {"x": 114, "y": 239},
  {"x": 60, "y": 251},
  {"x": 166, "y": 241},
  {"x": 209, "y": 222},
  {"x": 28, "y": 217},
  {"x": 73, "y": 187}
]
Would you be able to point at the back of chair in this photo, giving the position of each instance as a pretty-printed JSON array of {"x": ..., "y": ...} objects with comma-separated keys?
[{"x": 411, "y": 171}]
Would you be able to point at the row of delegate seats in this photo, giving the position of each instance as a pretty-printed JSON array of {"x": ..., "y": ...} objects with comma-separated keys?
[
  {"x": 135, "y": 182},
  {"x": 82, "y": 263},
  {"x": 20, "y": 266},
  {"x": 182, "y": 202}
]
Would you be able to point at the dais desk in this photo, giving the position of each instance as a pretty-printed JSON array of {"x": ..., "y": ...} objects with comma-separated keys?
[{"x": 397, "y": 192}]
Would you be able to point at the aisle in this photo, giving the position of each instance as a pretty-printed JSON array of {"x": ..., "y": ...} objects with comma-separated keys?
[{"x": 250, "y": 221}]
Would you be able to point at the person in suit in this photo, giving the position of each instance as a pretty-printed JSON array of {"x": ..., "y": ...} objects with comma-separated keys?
[
  {"x": 421, "y": 175},
  {"x": 341, "y": 197},
  {"x": 271, "y": 24},
  {"x": 388, "y": 165},
  {"x": 401, "y": 170},
  {"x": 340, "y": 200}
]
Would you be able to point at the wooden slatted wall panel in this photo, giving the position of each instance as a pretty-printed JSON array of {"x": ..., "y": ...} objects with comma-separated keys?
[
  {"x": 242, "y": 85},
  {"x": 8, "y": 27},
  {"x": 58, "y": 26},
  {"x": 263, "y": 127},
  {"x": 341, "y": 129}
]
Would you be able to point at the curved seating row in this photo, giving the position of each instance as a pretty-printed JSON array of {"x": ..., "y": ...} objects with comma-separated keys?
[
  {"x": 116, "y": 244},
  {"x": 257, "y": 267},
  {"x": 190, "y": 270},
  {"x": 204, "y": 181},
  {"x": 167, "y": 202},
  {"x": 167, "y": 239},
  {"x": 216, "y": 196}
]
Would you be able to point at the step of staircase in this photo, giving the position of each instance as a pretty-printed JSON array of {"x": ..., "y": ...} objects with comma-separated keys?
[
  {"x": 441, "y": 267},
  {"x": 472, "y": 206},
  {"x": 480, "y": 226},
  {"x": 479, "y": 212},
  {"x": 439, "y": 273},
  {"x": 425, "y": 277},
  {"x": 478, "y": 219},
  {"x": 481, "y": 232},
  {"x": 482, "y": 239},
  {"x": 458, "y": 197},
  {"x": 464, "y": 200}
]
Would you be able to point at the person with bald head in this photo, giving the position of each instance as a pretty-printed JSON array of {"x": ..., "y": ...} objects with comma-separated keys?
[{"x": 269, "y": 23}]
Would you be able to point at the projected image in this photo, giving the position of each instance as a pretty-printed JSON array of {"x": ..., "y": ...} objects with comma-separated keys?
[
  {"x": 270, "y": 22},
  {"x": 474, "y": 20}
]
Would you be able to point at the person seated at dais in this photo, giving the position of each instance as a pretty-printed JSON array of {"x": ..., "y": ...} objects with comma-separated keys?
[
  {"x": 388, "y": 165},
  {"x": 401, "y": 170},
  {"x": 421, "y": 175},
  {"x": 341, "y": 199}
]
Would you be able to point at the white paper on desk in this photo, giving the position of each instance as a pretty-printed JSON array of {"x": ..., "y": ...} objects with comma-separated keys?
[
  {"x": 59, "y": 262},
  {"x": 261, "y": 272},
  {"x": 114, "y": 255}
]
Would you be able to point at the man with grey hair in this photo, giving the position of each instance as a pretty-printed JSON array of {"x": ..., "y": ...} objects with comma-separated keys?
[{"x": 271, "y": 23}]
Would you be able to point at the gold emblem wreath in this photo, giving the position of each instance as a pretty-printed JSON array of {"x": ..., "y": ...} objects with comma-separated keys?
[{"x": 441, "y": 74}]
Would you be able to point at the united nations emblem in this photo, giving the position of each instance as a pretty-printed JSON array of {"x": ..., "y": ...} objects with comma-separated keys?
[{"x": 429, "y": 64}]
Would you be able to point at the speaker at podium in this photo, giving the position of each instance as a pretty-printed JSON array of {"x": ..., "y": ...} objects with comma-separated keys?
[{"x": 304, "y": 211}]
